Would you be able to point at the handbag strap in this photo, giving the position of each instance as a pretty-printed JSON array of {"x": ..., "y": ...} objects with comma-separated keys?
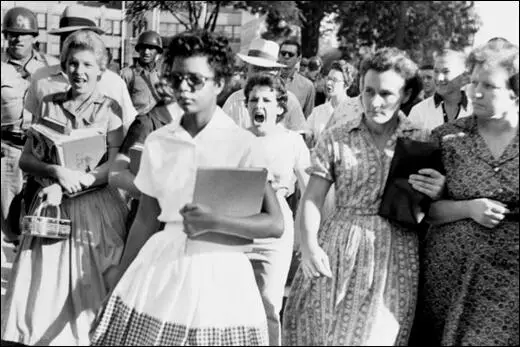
[{"x": 43, "y": 205}]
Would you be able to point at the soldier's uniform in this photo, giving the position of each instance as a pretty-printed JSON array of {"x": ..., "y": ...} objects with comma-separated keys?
[
  {"x": 141, "y": 81},
  {"x": 15, "y": 80}
]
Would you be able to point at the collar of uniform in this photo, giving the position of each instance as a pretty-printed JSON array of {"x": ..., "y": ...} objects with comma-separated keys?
[
  {"x": 18, "y": 62},
  {"x": 437, "y": 100},
  {"x": 140, "y": 68},
  {"x": 404, "y": 123}
]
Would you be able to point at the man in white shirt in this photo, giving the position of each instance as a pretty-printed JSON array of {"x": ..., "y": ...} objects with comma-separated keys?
[
  {"x": 51, "y": 79},
  {"x": 449, "y": 101},
  {"x": 262, "y": 57}
]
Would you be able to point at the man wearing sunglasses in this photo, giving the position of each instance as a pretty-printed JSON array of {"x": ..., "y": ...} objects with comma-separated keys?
[
  {"x": 262, "y": 58},
  {"x": 290, "y": 56}
]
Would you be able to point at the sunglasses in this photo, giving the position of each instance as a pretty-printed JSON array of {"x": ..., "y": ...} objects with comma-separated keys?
[
  {"x": 194, "y": 80},
  {"x": 287, "y": 54}
]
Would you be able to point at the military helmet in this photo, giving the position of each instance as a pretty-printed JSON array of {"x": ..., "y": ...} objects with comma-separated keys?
[
  {"x": 20, "y": 20},
  {"x": 149, "y": 38}
]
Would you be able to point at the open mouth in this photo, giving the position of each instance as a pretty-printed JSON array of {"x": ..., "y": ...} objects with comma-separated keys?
[
  {"x": 78, "y": 80},
  {"x": 259, "y": 118}
]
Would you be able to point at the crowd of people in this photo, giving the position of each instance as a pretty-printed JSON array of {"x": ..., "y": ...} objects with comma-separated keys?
[{"x": 318, "y": 264}]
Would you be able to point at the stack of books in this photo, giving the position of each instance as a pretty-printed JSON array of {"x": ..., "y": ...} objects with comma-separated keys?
[{"x": 75, "y": 149}]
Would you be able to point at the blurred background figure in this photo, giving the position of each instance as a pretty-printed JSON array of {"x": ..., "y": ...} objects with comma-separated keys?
[
  {"x": 290, "y": 55},
  {"x": 302, "y": 68},
  {"x": 426, "y": 72},
  {"x": 315, "y": 74}
]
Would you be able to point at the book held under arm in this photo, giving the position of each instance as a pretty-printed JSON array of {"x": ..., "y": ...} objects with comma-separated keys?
[
  {"x": 80, "y": 149},
  {"x": 233, "y": 192}
]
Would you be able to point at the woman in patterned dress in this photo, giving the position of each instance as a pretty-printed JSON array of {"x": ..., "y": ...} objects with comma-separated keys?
[
  {"x": 358, "y": 277},
  {"x": 180, "y": 286},
  {"x": 57, "y": 286},
  {"x": 471, "y": 253}
]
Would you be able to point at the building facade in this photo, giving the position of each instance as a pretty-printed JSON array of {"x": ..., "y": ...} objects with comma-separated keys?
[{"x": 120, "y": 36}]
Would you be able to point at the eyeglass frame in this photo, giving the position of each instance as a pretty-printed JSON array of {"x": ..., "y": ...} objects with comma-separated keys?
[
  {"x": 185, "y": 77},
  {"x": 334, "y": 80},
  {"x": 287, "y": 54}
]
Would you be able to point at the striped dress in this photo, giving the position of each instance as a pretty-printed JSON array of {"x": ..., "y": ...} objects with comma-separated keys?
[{"x": 371, "y": 297}]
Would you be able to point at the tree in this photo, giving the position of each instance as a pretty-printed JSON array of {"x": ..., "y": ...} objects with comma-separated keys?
[
  {"x": 280, "y": 15},
  {"x": 308, "y": 15},
  {"x": 188, "y": 13},
  {"x": 419, "y": 27}
]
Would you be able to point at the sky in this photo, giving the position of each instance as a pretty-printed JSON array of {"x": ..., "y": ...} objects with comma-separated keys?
[{"x": 500, "y": 18}]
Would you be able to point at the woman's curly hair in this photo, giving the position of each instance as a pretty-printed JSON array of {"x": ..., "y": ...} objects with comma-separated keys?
[
  {"x": 202, "y": 43},
  {"x": 270, "y": 81},
  {"x": 391, "y": 58},
  {"x": 498, "y": 53}
]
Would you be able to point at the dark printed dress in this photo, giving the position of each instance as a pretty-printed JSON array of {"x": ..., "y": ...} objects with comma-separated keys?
[
  {"x": 58, "y": 285},
  {"x": 371, "y": 297},
  {"x": 471, "y": 272}
]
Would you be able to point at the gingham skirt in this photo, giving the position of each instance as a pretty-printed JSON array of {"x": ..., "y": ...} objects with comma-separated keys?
[{"x": 179, "y": 292}]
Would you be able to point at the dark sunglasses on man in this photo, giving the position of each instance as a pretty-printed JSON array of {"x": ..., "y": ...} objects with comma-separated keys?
[
  {"x": 194, "y": 80},
  {"x": 287, "y": 54}
]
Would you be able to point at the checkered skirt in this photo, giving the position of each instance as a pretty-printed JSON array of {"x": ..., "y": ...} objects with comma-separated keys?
[{"x": 178, "y": 292}]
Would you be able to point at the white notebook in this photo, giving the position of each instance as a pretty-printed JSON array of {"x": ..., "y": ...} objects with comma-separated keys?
[{"x": 235, "y": 192}]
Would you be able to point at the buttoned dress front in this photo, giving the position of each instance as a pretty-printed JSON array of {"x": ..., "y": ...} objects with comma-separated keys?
[
  {"x": 180, "y": 291},
  {"x": 371, "y": 297},
  {"x": 471, "y": 273},
  {"x": 57, "y": 285}
]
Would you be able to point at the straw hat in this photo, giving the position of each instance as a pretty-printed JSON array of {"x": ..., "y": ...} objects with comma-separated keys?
[
  {"x": 262, "y": 53},
  {"x": 76, "y": 17}
]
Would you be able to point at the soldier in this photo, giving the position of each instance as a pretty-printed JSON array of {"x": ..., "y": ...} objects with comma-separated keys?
[
  {"x": 142, "y": 78},
  {"x": 20, "y": 28},
  {"x": 52, "y": 79}
]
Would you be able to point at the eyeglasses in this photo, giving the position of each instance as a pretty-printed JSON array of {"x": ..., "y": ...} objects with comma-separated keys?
[
  {"x": 287, "y": 54},
  {"x": 194, "y": 80},
  {"x": 335, "y": 80}
]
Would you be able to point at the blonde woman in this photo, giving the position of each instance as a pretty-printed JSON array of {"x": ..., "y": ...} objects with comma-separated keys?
[{"x": 57, "y": 285}]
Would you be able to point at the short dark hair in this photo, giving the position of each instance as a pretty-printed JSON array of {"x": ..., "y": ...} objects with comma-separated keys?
[
  {"x": 293, "y": 42},
  {"x": 203, "y": 43},
  {"x": 391, "y": 58},
  {"x": 498, "y": 53},
  {"x": 273, "y": 82}
]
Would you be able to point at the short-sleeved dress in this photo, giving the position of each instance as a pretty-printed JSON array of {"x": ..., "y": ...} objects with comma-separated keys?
[
  {"x": 371, "y": 297},
  {"x": 471, "y": 273},
  {"x": 139, "y": 130},
  {"x": 179, "y": 291},
  {"x": 57, "y": 285}
]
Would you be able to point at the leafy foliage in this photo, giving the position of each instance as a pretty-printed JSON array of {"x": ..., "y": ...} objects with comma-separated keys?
[
  {"x": 189, "y": 13},
  {"x": 420, "y": 27}
]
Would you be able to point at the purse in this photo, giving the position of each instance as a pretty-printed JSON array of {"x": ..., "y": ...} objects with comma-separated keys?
[
  {"x": 47, "y": 227},
  {"x": 401, "y": 202}
]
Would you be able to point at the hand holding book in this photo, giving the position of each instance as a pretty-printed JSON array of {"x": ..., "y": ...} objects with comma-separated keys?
[{"x": 69, "y": 179}]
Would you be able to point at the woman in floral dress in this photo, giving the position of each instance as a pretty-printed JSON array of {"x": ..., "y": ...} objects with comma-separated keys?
[
  {"x": 471, "y": 253},
  {"x": 358, "y": 277}
]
